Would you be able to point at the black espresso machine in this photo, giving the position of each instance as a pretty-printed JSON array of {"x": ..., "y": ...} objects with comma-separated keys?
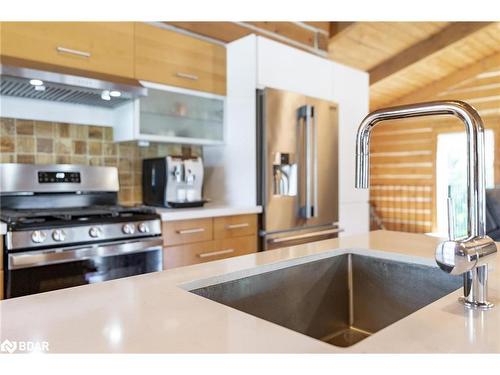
[{"x": 173, "y": 181}]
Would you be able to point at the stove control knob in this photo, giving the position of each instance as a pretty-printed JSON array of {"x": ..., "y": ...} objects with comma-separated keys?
[
  {"x": 38, "y": 236},
  {"x": 143, "y": 228},
  {"x": 58, "y": 235},
  {"x": 128, "y": 229},
  {"x": 94, "y": 232}
]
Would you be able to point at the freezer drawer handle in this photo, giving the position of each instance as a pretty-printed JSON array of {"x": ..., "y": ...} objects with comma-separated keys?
[
  {"x": 190, "y": 231},
  {"x": 237, "y": 226},
  {"x": 306, "y": 235},
  {"x": 215, "y": 253}
]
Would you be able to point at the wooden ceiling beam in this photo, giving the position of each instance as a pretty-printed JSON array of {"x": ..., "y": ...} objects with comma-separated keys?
[
  {"x": 309, "y": 36},
  {"x": 339, "y": 27},
  {"x": 449, "y": 35},
  {"x": 292, "y": 31},
  {"x": 431, "y": 91},
  {"x": 323, "y": 27},
  {"x": 223, "y": 31}
]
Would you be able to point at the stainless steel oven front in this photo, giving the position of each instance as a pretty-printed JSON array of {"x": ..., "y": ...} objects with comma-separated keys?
[{"x": 30, "y": 272}]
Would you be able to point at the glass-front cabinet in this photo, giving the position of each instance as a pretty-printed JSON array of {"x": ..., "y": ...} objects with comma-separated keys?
[{"x": 175, "y": 115}]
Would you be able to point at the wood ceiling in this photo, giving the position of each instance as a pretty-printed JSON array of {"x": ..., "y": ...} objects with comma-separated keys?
[
  {"x": 310, "y": 36},
  {"x": 418, "y": 61},
  {"x": 407, "y": 61}
]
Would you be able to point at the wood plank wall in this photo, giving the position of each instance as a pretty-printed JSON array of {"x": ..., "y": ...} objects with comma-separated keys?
[{"x": 403, "y": 170}]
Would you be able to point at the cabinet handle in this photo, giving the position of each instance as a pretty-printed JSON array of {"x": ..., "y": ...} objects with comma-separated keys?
[
  {"x": 236, "y": 226},
  {"x": 306, "y": 235},
  {"x": 215, "y": 253},
  {"x": 190, "y": 231},
  {"x": 73, "y": 51},
  {"x": 192, "y": 77}
]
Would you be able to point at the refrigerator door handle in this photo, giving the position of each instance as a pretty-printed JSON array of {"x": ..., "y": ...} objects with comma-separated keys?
[
  {"x": 306, "y": 113},
  {"x": 315, "y": 162}
]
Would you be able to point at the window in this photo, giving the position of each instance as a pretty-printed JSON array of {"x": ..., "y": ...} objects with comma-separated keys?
[{"x": 451, "y": 174}]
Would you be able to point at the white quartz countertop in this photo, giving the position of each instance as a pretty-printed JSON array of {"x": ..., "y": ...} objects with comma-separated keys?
[
  {"x": 209, "y": 210},
  {"x": 156, "y": 312}
]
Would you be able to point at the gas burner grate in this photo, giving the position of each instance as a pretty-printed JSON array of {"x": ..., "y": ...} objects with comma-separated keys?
[{"x": 28, "y": 217}]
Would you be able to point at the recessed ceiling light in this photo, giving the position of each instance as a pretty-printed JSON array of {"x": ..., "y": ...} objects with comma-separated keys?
[
  {"x": 115, "y": 93},
  {"x": 105, "y": 95},
  {"x": 36, "y": 82},
  {"x": 40, "y": 88}
]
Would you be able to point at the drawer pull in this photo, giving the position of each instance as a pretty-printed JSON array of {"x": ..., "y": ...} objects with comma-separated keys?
[
  {"x": 192, "y": 77},
  {"x": 215, "y": 253},
  {"x": 237, "y": 226},
  {"x": 73, "y": 51},
  {"x": 190, "y": 231},
  {"x": 306, "y": 235}
]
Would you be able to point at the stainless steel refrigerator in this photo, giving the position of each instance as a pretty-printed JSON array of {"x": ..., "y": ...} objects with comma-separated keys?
[{"x": 297, "y": 168}]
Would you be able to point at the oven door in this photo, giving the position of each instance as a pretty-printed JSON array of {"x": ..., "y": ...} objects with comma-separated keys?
[{"x": 40, "y": 271}]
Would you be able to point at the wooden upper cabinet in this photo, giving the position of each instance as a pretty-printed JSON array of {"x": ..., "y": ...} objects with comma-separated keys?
[
  {"x": 175, "y": 59},
  {"x": 101, "y": 47}
]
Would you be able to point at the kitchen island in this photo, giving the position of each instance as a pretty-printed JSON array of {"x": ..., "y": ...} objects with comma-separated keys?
[{"x": 156, "y": 313}]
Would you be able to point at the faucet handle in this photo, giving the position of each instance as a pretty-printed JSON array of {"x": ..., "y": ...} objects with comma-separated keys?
[{"x": 451, "y": 219}]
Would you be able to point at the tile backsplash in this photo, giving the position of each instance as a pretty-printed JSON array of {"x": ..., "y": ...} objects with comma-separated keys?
[{"x": 40, "y": 142}]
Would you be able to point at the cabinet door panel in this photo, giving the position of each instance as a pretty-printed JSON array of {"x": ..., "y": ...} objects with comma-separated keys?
[
  {"x": 102, "y": 47},
  {"x": 235, "y": 226},
  {"x": 239, "y": 245},
  {"x": 201, "y": 252},
  {"x": 187, "y": 231},
  {"x": 184, "y": 255},
  {"x": 175, "y": 59}
]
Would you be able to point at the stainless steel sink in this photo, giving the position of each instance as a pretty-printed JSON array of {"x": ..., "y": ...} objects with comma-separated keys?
[{"x": 340, "y": 300}]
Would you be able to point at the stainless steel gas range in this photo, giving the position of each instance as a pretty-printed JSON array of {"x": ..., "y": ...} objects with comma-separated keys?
[{"x": 65, "y": 228}]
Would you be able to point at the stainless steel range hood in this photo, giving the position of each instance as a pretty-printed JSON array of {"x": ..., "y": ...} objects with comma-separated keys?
[{"x": 66, "y": 88}]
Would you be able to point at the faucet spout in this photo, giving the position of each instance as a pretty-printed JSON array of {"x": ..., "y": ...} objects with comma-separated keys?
[{"x": 467, "y": 256}]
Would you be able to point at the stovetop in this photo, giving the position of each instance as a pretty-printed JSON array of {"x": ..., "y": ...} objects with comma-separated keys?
[{"x": 73, "y": 216}]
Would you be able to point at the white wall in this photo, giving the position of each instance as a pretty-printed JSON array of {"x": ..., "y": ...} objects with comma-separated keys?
[
  {"x": 234, "y": 164},
  {"x": 255, "y": 62}
]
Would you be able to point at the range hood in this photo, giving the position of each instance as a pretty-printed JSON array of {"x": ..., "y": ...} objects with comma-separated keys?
[{"x": 66, "y": 88}]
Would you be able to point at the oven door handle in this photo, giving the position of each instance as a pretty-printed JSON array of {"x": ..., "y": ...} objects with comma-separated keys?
[{"x": 46, "y": 257}]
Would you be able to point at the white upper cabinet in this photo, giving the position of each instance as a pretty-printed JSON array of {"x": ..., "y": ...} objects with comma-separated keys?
[{"x": 285, "y": 68}]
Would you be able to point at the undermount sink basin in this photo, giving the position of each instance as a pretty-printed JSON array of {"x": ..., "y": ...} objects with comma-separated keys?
[{"x": 340, "y": 300}]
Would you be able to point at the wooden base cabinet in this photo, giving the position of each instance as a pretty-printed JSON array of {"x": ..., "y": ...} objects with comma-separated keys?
[
  {"x": 201, "y": 252},
  {"x": 203, "y": 240}
]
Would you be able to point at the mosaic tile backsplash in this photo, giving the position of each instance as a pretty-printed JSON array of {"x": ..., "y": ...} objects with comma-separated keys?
[{"x": 40, "y": 142}]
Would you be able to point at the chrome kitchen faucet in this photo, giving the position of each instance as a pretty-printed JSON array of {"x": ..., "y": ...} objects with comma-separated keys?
[{"x": 470, "y": 255}]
